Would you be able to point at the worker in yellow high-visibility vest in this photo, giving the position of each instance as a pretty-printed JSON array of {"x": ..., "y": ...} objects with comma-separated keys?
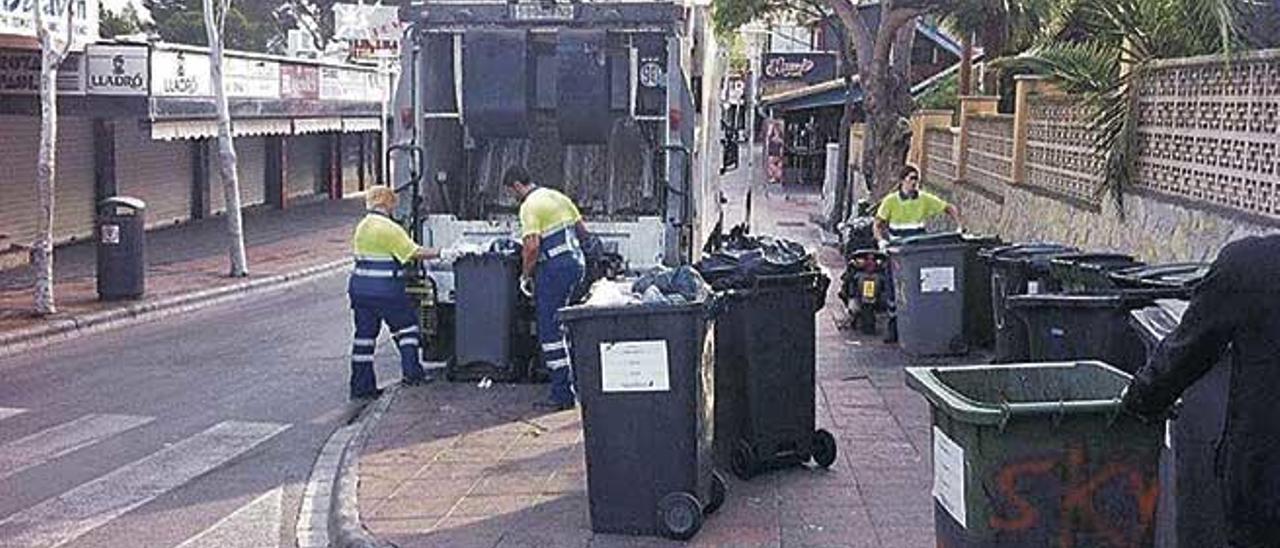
[
  {"x": 551, "y": 230},
  {"x": 377, "y": 290}
]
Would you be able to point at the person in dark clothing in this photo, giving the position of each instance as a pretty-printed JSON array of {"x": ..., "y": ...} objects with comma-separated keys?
[{"x": 1235, "y": 307}]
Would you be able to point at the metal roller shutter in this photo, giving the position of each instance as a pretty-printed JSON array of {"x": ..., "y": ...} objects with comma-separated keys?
[
  {"x": 19, "y": 145},
  {"x": 158, "y": 172},
  {"x": 304, "y": 162},
  {"x": 251, "y": 165},
  {"x": 351, "y": 163}
]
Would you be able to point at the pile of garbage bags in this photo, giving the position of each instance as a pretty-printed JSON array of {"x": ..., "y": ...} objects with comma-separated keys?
[
  {"x": 740, "y": 260},
  {"x": 660, "y": 286}
]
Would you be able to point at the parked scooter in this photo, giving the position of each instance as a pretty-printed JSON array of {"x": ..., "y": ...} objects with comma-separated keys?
[{"x": 863, "y": 288}]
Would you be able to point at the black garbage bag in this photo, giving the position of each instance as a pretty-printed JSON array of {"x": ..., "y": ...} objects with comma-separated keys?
[
  {"x": 743, "y": 259},
  {"x": 682, "y": 284}
]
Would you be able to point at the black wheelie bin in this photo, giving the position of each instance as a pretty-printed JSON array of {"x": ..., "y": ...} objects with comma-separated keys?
[
  {"x": 645, "y": 376},
  {"x": 979, "y": 318},
  {"x": 1088, "y": 273},
  {"x": 1190, "y": 512},
  {"x": 766, "y": 361},
  {"x": 1038, "y": 455},
  {"x": 1017, "y": 269},
  {"x": 929, "y": 281},
  {"x": 485, "y": 329}
]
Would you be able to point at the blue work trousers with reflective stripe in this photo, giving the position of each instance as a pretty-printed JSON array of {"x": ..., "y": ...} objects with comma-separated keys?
[
  {"x": 403, "y": 322},
  {"x": 556, "y": 279}
]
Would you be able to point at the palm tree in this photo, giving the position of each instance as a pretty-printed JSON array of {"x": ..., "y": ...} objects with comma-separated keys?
[
  {"x": 1001, "y": 27},
  {"x": 1108, "y": 46}
]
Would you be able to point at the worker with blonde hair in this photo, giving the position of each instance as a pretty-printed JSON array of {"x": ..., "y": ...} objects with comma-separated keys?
[{"x": 376, "y": 288}]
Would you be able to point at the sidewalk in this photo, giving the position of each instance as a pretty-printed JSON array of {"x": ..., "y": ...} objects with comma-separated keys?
[
  {"x": 184, "y": 260},
  {"x": 460, "y": 466}
]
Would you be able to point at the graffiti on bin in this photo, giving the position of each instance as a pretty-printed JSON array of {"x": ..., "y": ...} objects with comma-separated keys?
[{"x": 1106, "y": 501}]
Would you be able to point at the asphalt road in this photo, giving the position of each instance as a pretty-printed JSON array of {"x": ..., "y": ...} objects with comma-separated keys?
[{"x": 198, "y": 430}]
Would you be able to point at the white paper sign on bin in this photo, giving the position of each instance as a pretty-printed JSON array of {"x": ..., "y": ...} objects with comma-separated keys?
[
  {"x": 938, "y": 279},
  {"x": 634, "y": 366},
  {"x": 948, "y": 475}
]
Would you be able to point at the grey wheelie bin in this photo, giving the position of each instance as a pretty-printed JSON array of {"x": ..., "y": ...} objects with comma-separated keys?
[
  {"x": 1190, "y": 512},
  {"x": 486, "y": 296},
  {"x": 765, "y": 368},
  {"x": 1018, "y": 269},
  {"x": 929, "y": 281},
  {"x": 646, "y": 379},
  {"x": 1031, "y": 455},
  {"x": 1174, "y": 276}
]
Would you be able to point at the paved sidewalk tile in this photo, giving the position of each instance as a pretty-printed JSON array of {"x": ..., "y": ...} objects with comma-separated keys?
[{"x": 478, "y": 468}]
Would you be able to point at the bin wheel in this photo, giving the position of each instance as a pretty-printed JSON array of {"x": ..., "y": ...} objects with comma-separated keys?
[
  {"x": 744, "y": 462},
  {"x": 824, "y": 448},
  {"x": 718, "y": 490},
  {"x": 680, "y": 515}
]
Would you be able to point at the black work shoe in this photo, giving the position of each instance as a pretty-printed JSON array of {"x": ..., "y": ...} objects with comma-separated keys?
[
  {"x": 891, "y": 337},
  {"x": 417, "y": 381},
  {"x": 377, "y": 393},
  {"x": 552, "y": 405}
]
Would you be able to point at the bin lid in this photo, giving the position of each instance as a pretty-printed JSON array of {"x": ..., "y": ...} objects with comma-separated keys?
[
  {"x": 122, "y": 201},
  {"x": 1103, "y": 261},
  {"x": 1157, "y": 321},
  {"x": 1179, "y": 275},
  {"x": 570, "y": 314},
  {"x": 1028, "y": 252},
  {"x": 937, "y": 238},
  {"x": 993, "y": 394}
]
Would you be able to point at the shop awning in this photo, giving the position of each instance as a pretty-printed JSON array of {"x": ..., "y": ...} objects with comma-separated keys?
[
  {"x": 353, "y": 125},
  {"x": 255, "y": 127},
  {"x": 183, "y": 129},
  {"x": 316, "y": 125}
]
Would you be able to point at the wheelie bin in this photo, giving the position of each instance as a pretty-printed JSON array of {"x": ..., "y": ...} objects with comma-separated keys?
[
  {"x": 1190, "y": 512},
  {"x": 646, "y": 381},
  {"x": 929, "y": 281},
  {"x": 1017, "y": 269},
  {"x": 1088, "y": 273},
  {"x": 1038, "y": 455},
  {"x": 765, "y": 368},
  {"x": 979, "y": 319},
  {"x": 485, "y": 326},
  {"x": 1173, "y": 276},
  {"x": 1082, "y": 327}
]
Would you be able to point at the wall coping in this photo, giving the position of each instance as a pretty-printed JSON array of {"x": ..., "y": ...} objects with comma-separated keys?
[{"x": 1255, "y": 55}]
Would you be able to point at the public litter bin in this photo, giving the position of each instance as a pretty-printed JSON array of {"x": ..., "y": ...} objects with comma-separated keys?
[
  {"x": 1063, "y": 327},
  {"x": 646, "y": 380},
  {"x": 121, "y": 249},
  {"x": 765, "y": 367},
  {"x": 1038, "y": 455},
  {"x": 486, "y": 297},
  {"x": 1190, "y": 512},
  {"x": 929, "y": 280},
  {"x": 979, "y": 319},
  {"x": 1088, "y": 273},
  {"x": 1017, "y": 270}
]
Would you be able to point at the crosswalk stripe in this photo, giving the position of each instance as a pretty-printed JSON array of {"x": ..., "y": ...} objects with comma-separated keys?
[
  {"x": 49, "y": 444},
  {"x": 69, "y": 516},
  {"x": 254, "y": 525},
  {"x": 6, "y": 412}
]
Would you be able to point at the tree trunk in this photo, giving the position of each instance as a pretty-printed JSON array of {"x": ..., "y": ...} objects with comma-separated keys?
[
  {"x": 888, "y": 106},
  {"x": 226, "y": 148},
  {"x": 965, "y": 86},
  {"x": 840, "y": 211},
  {"x": 46, "y": 166}
]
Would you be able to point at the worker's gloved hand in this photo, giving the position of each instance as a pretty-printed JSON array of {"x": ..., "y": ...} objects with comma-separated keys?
[
  {"x": 449, "y": 255},
  {"x": 526, "y": 286},
  {"x": 883, "y": 245}
]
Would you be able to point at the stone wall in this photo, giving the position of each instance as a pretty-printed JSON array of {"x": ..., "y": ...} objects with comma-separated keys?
[{"x": 1208, "y": 172}]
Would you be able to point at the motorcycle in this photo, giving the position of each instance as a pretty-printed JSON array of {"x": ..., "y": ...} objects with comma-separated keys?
[{"x": 863, "y": 288}]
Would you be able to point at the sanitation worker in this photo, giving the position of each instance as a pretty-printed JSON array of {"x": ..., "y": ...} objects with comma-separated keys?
[
  {"x": 903, "y": 214},
  {"x": 552, "y": 265},
  {"x": 1235, "y": 309},
  {"x": 377, "y": 291}
]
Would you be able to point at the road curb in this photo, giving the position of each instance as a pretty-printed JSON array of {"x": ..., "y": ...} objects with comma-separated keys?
[
  {"x": 342, "y": 523},
  {"x": 67, "y": 328}
]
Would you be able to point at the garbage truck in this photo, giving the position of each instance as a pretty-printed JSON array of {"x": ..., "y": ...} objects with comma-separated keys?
[{"x": 615, "y": 103}]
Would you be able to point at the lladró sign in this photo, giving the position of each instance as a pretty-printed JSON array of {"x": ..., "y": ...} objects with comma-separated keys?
[{"x": 117, "y": 70}]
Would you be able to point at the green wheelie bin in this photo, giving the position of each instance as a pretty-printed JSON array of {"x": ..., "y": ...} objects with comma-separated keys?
[{"x": 1038, "y": 455}]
